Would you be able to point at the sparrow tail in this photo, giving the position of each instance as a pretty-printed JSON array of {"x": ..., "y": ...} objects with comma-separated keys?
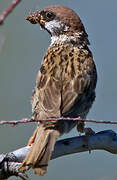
[{"x": 41, "y": 150}]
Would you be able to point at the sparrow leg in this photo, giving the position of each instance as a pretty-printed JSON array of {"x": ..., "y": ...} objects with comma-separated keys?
[
  {"x": 88, "y": 132},
  {"x": 82, "y": 129}
]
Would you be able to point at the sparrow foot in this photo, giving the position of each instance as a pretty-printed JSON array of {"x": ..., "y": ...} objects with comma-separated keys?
[{"x": 88, "y": 132}]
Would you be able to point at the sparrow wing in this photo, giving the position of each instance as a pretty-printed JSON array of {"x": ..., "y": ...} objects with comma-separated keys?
[
  {"x": 46, "y": 99},
  {"x": 79, "y": 84}
]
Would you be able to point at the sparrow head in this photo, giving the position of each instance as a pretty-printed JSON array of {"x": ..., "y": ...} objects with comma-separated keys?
[{"x": 58, "y": 20}]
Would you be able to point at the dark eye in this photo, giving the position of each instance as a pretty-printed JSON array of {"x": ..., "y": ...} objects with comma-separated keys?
[{"x": 49, "y": 15}]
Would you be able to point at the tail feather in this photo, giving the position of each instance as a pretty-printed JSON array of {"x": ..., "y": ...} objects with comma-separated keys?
[{"x": 41, "y": 151}]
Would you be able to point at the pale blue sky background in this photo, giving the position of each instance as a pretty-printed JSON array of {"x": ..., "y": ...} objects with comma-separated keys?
[{"x": 23, "y": 46}]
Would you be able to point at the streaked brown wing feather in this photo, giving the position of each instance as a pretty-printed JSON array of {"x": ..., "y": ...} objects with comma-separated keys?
[
  {"x": 74, "y": 91},
  {"x": 46, "y": 100},
  {"x": 79, "y": 84}
]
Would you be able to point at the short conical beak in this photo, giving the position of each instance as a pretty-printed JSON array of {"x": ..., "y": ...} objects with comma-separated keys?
[{"x": 34, "y": 18}]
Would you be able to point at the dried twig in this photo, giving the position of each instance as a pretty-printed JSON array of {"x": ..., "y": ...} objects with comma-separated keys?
[
  {"x": 28, "y": 120},
  {"x": 8, "y": 10}
]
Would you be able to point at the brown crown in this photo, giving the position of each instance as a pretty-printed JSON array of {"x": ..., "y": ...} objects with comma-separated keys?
[{"x": 68, "y": 17}]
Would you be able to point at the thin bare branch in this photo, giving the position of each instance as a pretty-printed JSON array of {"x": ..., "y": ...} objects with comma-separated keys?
[
  {"x": 8, "y": 10},
  {"x": 28, "y": 120},
  {"x": 104, "y": 140}
]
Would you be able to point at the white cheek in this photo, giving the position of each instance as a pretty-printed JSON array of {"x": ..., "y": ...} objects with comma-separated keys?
[{"x": 50, "y": 26}]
